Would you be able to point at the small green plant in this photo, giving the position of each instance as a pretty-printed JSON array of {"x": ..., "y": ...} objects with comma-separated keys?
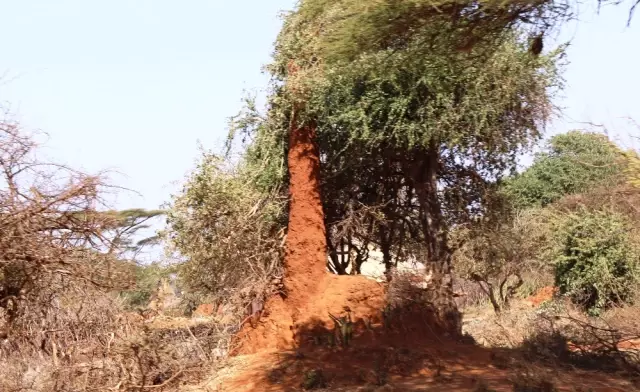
[{"x": 313, "y": 379}]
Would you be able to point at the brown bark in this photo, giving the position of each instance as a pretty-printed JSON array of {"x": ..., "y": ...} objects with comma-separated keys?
[
  {"x": 306, "y": 244},
  {"x": 424, "y": 170}
]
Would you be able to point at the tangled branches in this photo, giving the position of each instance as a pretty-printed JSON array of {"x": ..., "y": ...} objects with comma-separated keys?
[{"x": 52, "y": 236}]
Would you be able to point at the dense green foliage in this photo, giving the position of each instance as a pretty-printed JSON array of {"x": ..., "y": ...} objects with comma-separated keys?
[
  {"x": 596, "y": 259},
  {"x": 573, "y": 162},
  {"x": 408, "y": 112},
  {"x": 570, "y": 214},
  {"x": 226, "y": 227},
  {"x": 350, "y": 28}
]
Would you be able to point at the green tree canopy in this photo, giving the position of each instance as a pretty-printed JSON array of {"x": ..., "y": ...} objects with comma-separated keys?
[{"x": 572, "y": 163}]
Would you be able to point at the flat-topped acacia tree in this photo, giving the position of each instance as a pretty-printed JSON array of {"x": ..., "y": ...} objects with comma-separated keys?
[{"x": 430, "y": 82}]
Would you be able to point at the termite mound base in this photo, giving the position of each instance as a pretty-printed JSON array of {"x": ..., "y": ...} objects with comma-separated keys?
[
  {"x": 283, "y": 327},
  {"x": 277, "y": 329}
]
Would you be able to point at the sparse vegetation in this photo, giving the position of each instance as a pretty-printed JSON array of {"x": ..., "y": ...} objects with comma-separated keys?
[{"x": 392, "y": 127}]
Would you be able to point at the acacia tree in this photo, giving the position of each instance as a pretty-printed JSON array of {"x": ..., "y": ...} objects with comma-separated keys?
[
  {"x": 407, "y": 123},
  {"x": 573, "y": 162}
]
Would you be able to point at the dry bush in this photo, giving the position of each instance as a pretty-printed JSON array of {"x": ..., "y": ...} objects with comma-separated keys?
[
  {"x": 569, "y": 337},
  {"x": 62, "y": 326},
  {"x": 412, "y": 307},
  {"x": 113, "y": 353},
  {"x": 559, "y": 332},
  {"x": 497, "y": 253},
  {"x": 532, "y": 381},
  {"x": 507, "y": 329},
  {"x": 230, "y": 232},
  {"x": 470, "y": 293},
  {"x": 52, "y": 235}
]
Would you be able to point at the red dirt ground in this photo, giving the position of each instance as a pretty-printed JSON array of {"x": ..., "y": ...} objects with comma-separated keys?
[
  {"x": 543, "y": 295},
  {"x": 279, "y": 353},
  {"x": 404, "y": 367}
]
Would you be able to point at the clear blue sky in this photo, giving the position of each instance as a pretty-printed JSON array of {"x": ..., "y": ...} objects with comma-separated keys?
[
  {"x": 133, "y": 85},
  {"x": 603, "y": 77}
]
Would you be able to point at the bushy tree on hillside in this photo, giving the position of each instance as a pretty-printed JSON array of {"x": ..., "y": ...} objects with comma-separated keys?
[
  {"x": 573, "y": 162},
  {"x": 596, "y": 259}
]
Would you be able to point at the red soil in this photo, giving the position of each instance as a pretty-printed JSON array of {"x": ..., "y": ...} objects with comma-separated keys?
[
  {"x": 279, "y": 353},
  {"x": 543, "y": 295},
  {"x": 277, "y": 329},
  {"x": 404, "y": 365},
  {"x": 204, "y": 310}
]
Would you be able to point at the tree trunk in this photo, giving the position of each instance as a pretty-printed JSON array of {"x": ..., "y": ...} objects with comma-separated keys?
[
  {"x": 306, "y": 243},
  {"x": 424, "y": 169},
  {"x": 385, "y": 248}
]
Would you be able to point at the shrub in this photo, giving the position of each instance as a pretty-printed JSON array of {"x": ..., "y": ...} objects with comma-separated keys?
[
  {"x": 595, "y": 259},
  {"x": 228, "y": 231},
  {"x": 497, "y": 254},
  {"x": 147, "y": 277}
]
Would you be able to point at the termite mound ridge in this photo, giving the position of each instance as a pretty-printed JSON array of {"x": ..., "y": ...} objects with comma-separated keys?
[{"x": 277, "y": 329}]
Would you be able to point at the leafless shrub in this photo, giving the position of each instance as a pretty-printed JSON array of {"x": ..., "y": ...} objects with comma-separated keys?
[
  {"x": 469, "y": 293},
  {"x": 63, "y": 259},
  {"x": 508, "y": 329},
  {"x": 497, "y": 254},
  {"x": 52, "y": 235},
  {"x": 568, "y": 337}
]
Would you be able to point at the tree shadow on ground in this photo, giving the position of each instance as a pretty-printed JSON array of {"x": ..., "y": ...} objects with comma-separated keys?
[{"x": 413, "y": 357}]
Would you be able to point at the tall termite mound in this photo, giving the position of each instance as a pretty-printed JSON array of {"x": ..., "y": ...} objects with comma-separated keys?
[
  {"x": 305, "y": 248},
  {"x": 311, "y": 292}
]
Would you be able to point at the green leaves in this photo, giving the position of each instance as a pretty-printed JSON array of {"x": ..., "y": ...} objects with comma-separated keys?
[
  {"x": 352, "y": 28},
  {"x": 225, "y": 226},
  {"x": 573, "y": 163},
  {"x": 596, "y": 260}
]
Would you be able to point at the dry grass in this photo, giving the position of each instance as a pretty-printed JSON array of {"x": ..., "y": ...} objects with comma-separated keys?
[
  {"x": 559, "y": 333},
  {"x": 103, "y": 349}
]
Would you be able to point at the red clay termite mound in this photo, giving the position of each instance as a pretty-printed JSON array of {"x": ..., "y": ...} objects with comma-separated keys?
[
  {"x": 306, "y": 244},
  {"x": 277, "y": 329}
]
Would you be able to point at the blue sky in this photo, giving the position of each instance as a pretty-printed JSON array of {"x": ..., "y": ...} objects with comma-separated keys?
[
  {"x": 132, "y": 86},
  {"x": 603, "y": 77}
]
